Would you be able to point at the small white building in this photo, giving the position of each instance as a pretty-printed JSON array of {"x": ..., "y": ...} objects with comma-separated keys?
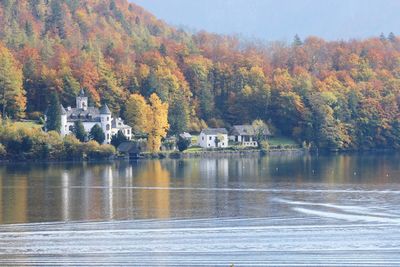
[
  {"x": 245, "y": 135},
  {"x": 91, "y": 116},
  {"x": 213, "y": 138},
  {"x": 117, "y": 124}
]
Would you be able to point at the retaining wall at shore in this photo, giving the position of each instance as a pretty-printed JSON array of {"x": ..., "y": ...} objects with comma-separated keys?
[{"x": 223, "y": 153}]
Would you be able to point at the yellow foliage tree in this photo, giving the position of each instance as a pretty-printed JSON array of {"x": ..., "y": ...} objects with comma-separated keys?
[
  {"x": 12, "y": 94},
  {"x": 136, "y": 112},
  {"x": 157, "y": 122}
]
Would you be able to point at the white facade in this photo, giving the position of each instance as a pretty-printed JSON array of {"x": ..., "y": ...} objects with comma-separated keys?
[
  {"x": 246, "y": 140},
  {"x": 213, "y": 138},
  {"x": 67, "y": 126},
  {"x": 91, "y": 116},
  {"x": 119, "y": 125},
  {"x": 106, "y": 126}
]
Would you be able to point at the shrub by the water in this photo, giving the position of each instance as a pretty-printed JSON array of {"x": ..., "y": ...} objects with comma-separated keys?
[
  {"x": 96, "y": 151},
  {"x": 24, "y": 143},
  {"x": 183, "y": 144},
  {"x": 73, "y": 148}
]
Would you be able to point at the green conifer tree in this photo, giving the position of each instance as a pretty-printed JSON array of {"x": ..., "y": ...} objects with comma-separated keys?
[
  {"x": 119, "y": 138},
  {"x": 79, "y": 131},
  {"x": 178, "y": 115},
  {"x": 53, "y": 122},
  {"x": 97, "y": 134}
]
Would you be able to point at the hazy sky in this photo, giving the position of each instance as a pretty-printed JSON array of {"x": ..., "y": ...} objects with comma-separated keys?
[{"x": 281, "y": 19}]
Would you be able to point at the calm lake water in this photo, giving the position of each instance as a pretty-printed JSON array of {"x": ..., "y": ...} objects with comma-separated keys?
[{"x": 279, "y": 210}]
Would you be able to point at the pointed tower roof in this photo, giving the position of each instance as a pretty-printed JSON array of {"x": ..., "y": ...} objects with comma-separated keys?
[
  {"x": 105, "y": 110},
  {"x": 82, "y": 92},
  {"x": 63, "y": 111}
]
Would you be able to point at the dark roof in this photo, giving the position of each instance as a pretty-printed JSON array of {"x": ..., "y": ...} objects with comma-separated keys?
[
  {"x": 246, "y": 130},
  {"x": 214, "y": 131},
  {"x": 129, "y": 147},
  {"x": 91, "y": 114},
  {"x": 243, "y": 130},
  {"x": 105, "y": 110}
]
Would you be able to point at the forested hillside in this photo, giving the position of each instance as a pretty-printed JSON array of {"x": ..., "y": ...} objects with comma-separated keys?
[{"x": 334, "y": 94}]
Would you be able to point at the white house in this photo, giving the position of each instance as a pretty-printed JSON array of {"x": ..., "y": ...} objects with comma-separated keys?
[
  {"x": 117, "y": 124},
  {"x": 213, "y": 137},
  {"x": 90, "y": 116},
  {"x": 245, "y": 135}
]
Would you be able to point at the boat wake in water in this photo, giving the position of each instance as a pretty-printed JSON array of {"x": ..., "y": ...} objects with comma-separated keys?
[{"x": 323, "y": 234}]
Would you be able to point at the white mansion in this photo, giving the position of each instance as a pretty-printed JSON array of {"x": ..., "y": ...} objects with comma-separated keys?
[{"x": 90, "y": 116}]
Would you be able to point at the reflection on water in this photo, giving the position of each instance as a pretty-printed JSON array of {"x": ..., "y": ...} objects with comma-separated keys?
[
  {"x": 281, "y": 210},
  {"x": 180, "y": 188}
]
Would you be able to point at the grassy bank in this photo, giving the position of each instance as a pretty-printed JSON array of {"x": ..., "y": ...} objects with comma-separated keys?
[{"x": 281, "y": 141}]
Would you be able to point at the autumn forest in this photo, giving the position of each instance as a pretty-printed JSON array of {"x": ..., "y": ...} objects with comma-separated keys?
[{"x": 335, "y": 95}]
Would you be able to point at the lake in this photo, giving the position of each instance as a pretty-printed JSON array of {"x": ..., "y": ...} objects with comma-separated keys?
[{"x": 287, "y": 210}]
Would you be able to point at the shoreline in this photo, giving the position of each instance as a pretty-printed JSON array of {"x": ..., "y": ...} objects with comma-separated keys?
[
  {"x": 223, "y": 153},
  {"x": 172, "y": 155},
  {"x": 206, "y": 154}
]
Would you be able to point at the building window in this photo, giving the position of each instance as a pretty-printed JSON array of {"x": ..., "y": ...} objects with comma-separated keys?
[
  {"x": 210, "y": 138},
  {"x": 108, "y": 118},
  {"x": 223, "y": 144},
  {"x": 107, "y": 127},
  {"x": 202, "y": 138},
  {"x": 108, "y": 136}
]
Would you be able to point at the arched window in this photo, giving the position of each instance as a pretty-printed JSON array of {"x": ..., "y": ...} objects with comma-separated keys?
[{"x": 107, "y": 127}]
